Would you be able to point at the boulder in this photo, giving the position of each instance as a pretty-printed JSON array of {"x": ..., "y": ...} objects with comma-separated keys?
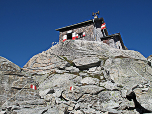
[
  {"x": 110, "y": 96},
  {"x": 57, "y": 93},
  {"x": 37, "y": 110},
  {"x": 92, "y": 69},
  {"x": 91, "y": 89},
  {"x": 43, "y": 93},
  {"x": 51, "y": 111},
  {"x": 82, "y": 74},
  {"x": 109, "y": 85},
  {"x": 90, "y": 81},
  {"x": 72, "y": 94},
  {"x": 72, "y": 69},
  {"x": 86, "y": 62}
]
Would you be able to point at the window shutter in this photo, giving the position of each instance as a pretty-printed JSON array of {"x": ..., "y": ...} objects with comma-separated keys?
[
  {"x": 64, "y": 38},
  {"x": 83, "y": 34},
  {"x": 73, "y": 36},
  {"x": 76, "y": 35}
]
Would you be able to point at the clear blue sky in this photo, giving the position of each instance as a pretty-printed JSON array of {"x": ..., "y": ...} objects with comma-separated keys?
[{"x": 27, "y": 27}]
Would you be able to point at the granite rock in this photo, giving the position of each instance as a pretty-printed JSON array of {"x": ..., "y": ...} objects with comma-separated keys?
[{"x": 77, "y": 77}]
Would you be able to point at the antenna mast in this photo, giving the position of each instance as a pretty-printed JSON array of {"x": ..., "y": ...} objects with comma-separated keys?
[{"x": 95, "y": 14}]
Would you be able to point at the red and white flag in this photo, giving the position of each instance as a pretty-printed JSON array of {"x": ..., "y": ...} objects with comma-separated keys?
[
  {"x": 83, "y": 34},
  {"x": 33, "y": 86},
  {"x": 71, "y": 88},
  {"x": 77, "y": 35},
  {"x": 103, "y": 26}
]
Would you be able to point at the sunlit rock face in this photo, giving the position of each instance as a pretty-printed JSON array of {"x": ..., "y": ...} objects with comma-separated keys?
[
  {"x": 88, "y": 53},
  {"x": 78, "y": 77}
]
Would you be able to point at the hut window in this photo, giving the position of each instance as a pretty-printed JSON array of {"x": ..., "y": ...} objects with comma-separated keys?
[
  {"x": 69, "y": 36},
  {"x": 80, "y": 35}
]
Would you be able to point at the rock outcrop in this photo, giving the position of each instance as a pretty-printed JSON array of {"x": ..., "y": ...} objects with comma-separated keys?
[
  {"x": 15, "y": 88},
  {"x": 80, "y": 77},
  {"x": 149, "y": 60},
  {"x": 82, "y": 54}
]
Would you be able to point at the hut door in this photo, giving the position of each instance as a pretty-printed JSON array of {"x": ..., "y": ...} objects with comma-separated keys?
[{"x": 69, "y": 36}]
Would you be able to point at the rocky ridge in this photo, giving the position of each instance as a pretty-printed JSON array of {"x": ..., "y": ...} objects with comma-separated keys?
[{"x": 78, "y": 77}]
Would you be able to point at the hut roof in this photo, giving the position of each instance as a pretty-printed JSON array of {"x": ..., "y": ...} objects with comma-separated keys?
[{"x": 77, "y": 25}]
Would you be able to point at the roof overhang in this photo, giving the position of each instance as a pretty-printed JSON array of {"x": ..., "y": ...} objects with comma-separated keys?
[
  {"x": 74, "y": 25},
  {"x": 78, "y": 24}
]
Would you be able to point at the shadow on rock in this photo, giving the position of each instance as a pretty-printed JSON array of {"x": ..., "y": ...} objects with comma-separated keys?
[{"x": 138, "y": 106}]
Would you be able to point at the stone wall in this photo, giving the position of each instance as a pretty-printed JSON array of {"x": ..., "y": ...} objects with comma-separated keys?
[
  {"x": 88, "y": 29},
  {"x": 113, "y": 41}
]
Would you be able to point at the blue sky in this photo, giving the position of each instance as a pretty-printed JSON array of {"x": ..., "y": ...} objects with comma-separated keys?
[{"x": 27, "y": 27}]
